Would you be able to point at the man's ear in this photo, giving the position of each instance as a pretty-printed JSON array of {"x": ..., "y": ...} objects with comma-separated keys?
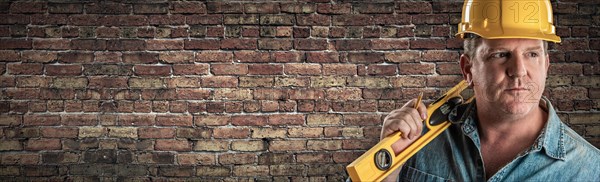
[
  {"x": 465, "y": 68},
  {"x": 547, "y": 63}
]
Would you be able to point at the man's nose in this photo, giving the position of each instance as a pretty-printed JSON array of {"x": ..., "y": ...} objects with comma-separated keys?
[{"x": 517, "y": 67}]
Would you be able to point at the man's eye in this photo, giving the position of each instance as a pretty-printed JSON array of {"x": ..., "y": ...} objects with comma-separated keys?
[
  {"x": 500, "y": 55},
  {"x": 533, "y": 54}
]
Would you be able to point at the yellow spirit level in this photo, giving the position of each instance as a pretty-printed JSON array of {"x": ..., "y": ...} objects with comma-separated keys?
[{"x": 378, "y": 162}]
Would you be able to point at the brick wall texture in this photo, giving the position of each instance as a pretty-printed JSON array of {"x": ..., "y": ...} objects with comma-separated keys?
[{"x": 239, "y": 90}]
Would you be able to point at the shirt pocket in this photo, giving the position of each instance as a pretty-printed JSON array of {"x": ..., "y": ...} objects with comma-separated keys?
[{"x": 413, "y": 174}]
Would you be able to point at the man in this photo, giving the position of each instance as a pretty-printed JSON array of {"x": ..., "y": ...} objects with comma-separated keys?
[{"x": 511, "y": 133}]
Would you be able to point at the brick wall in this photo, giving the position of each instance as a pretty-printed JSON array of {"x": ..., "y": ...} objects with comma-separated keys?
[{"x": 242, "y": 90}]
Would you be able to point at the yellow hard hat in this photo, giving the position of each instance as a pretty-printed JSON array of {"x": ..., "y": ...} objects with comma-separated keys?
[{"x": 497, "y": 19}]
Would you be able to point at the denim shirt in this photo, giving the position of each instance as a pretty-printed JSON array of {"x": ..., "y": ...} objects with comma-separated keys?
[{"x": 558, "y": 154}]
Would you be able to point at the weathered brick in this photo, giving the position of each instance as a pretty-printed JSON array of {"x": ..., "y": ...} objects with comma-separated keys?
[
  {"x": 174, "y": 120},
  {"x": 42, "y": 144},
  {"x": 207, "y": 56},
  {"x": 302, "y": 69},
  {"x": 219, "y": 81},
  {"x": 323, "y": 119},
  {"x": 196, "y": 159},
  {"x": 305, "y": 132},
  {"x": 286, "y": 170},
  {"x": 63, "y": 132},
  {"x": 229, "y": 69},
  {"x": 248, "y": 146},
  {"x": 268, "y": 133},
  {"x": 211, "y": 145},
  {"x": 231, "y": 132},
  {"x": 314, "y": 158},
  {"x": 287, "y": 145},
  {"x": 63, "y": 70},
  {"x": 122, "y": 132},
  {"x": 156, "y": 132},
  {"x": 172, "y": 145},
  {"x": 8, "y": 145},
  {"x": 324, "y": 145},
  {"x": 20, "y": 159},
  {"x": 250, "y": 170},
  {"x": 311, "y": 44}
]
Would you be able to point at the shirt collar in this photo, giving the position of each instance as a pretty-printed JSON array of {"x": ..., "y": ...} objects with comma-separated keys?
[{"x": 551, "y": 138}]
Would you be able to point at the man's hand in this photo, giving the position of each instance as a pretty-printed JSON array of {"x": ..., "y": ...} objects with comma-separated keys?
[{"x": 407, "y": 120}]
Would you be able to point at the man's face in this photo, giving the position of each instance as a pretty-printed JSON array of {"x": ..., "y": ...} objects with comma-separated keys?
[{"x": 509, "y": 74}]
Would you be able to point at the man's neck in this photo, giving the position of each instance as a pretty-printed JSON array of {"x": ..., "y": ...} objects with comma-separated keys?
[{"x": 524, "y": 128}]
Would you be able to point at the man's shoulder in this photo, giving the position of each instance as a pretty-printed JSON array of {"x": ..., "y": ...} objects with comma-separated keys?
[{"x": 577, "y": 145}]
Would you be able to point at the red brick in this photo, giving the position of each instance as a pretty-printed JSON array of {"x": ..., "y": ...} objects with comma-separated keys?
[
  {"x": 386, "y": 70},
  {"x": 166, "y": 19},
  {"x": 448, "y": 68},
  {"x": 192, "y": 94},
  {"x": 287, "y": 145},
  {"x": 239, "y": 44},
  {"x": 41, "y": 120},
  {"x": 311, "y": 94},
  {"x": 202, "y": 44},
  {"x": 385, "y": 44},
  {"x": 275, "y": 44},
  {"x": 107, "y": 82},
  {"x": 144, "y": 70},
  {"x": 164, "y": 44},
  {"x": 248, "y": 120},
  {"x": 440, "y": 55},
  {"x": 322, "y": 57},
  {"x": 339, "y": 69},
  {"x": 177, "y": 57},
  {"x": 565, "y": 69},
  {"x": 75, "y": 57},
  {"x": 224, "y": 7},
  {"x": 313, "y": 20},
  {"x": 583, "y": 57},
  {"x": 265, "y": 69},
  {"x": 326, "y": 8},
  {"x": 366, "y": 57},
  {"x": 229, "y": 69},
  {"x": 352, "y": 20},
  {"x": 263, "y": 8},
  {"x": 38, "y": 56},
  {"x": 9, "y": 55},
  {"x": 136, "y": 120},
  {"x": 28, "y": 7},
  {"x": 88, "y": 44},
  {"x": 302, "y": 69},
  {"x": 209, "y": 19},
  {"x": 206, "y": 56},
  {"x": 219, "y": 81},
  {"x": 413, "y": 7},
  {"x": 349, "y": 45},
  {"x": 64, "y": 8},
  {"x": 286, "y": 119},
  {"x": 231, "y": 133},
  {"x": 427, "y": 44},
  {"x": 126, "y": 45},
  {"x": 416, "y": 68},
  {"x": 25, "y": 69},
  {"x": 174, "y": 120},
  {"x": 395, "y": 19},
  {"x": 572, "y": 44},
  {"x": 52, "y": 44},
  {"x": 62, "y": 132},
  {"x": 287, "y": 57},
  {"x": 79, "y": 119},
  {"x": 172, "y": 145},
  {"x": 252, "y": 57},
  {"x": 310, "y": 44},
  {"x": 443, "y": 80},
  {"x": 43, "y": 144},
  {"x": 187, "y": 7},
  {"x": 22, "y": 93},
  {"x": 63, "y": 70}
]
